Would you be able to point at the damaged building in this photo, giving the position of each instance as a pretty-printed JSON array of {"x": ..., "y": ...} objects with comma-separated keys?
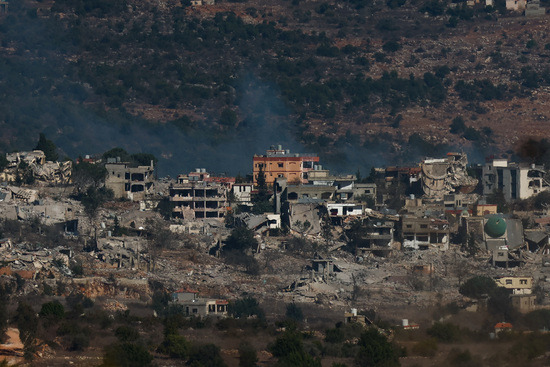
[
  {"x": 424, "y": 233},
  {"x": 447, "y": 175},
  {"x": 501, "y": 237},
  {"x": 42, "y": 171},
  {"x": 129, "y": 181},
  {"x": 193, "y": 199},
  {"x": 515, "y": 181}
]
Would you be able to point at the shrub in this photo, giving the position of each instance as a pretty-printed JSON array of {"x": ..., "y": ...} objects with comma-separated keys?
[
  {"x": 53, "y": 310},
  {"x": 176, "y": 346},
  {"x": 126, "y": 333},
  {"x": 127, "y": 355},
  {"x": 477, "y": 287},
  {"x": 444, "y": 332},
  {"x": 425, "y": 348}
]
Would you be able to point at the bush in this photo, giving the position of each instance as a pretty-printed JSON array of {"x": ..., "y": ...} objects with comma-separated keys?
[
  {"x": 127, "y": 355},
  {"x": 206, "y": 355},
  {"x": 54, "y": 310},
  {"x": 294, "y": 312},
  {"x": 425, "y": 348},
  {"x": 477, "y": 287},
  {"x": 176, "y": 346},
  {"x": 246, "y": 307},
  {"x": 444, "y": 332},
  {"x": 376, "y": 350},
  {"x": 126, "y": 333}
]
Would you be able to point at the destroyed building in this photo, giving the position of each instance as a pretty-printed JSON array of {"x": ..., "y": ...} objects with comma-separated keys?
[
  {"x": 278, "y": 162},
  {"x": 515, "y": 181},
  {"x": 42, "y": 171},
  {"x": 128, "y": 181},
  {"x": 447, "y": 175},
  {"x": 502, "y": 237},
  {"x": 424, "y": 233},
  {"x": 193, "y": 198}
]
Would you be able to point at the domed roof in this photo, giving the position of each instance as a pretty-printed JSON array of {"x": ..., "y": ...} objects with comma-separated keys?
[{"x": 495, "y": 226}]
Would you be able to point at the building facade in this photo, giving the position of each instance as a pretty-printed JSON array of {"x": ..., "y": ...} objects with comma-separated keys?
[{"x": 278, "y": 163}]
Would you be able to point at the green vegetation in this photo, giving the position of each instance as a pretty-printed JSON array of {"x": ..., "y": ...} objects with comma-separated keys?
[{"x": 478, "y": 287}]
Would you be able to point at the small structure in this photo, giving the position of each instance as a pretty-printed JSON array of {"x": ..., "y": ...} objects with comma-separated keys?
[
  {"x": 502, "y": 326},
  {"x": 353, "y": 317},
  {"x": 200, "y": 307},
  {"x": 533, "y": 9},
  {"x": 523, "y": 302},
  {"x": 516, "y": 5}
]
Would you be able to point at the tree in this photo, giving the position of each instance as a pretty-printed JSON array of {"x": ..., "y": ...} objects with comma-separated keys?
[
  {"x": 261, "y": 198},
  {"x": 247, "y": 355},
  {"x": 126, "y": 355},
  {"x": 27, "y": 323},
  {"x": 294, "y": 312},
  {"x": 94, "y": 198},
  {"x": 246, "y": 307},
  {"x": 52, "y": 310},
  {"x": 477, "y": 287},
  {"x": 176, "y": 346},
  {"x": 241, "y": 238},
  {"x": 458, "y": 126},
  {"x": 444, "y": 332},
  {"x": 375, "y": 350},
  {"x": 87, "y": 174},
  {"x": 206, "y": 356},
  {"x": 48, "y": 147}
]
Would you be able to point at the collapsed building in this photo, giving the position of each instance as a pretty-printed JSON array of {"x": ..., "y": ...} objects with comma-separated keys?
[
  {"x": 447, "y": 175},
  {"x": 41, "y": 170}
]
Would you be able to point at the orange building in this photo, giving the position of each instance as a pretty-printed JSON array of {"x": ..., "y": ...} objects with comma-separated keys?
[{"x": 278, "y": 162}]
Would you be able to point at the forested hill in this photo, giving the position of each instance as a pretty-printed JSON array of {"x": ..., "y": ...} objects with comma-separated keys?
[{"x": 362, "y": 82}]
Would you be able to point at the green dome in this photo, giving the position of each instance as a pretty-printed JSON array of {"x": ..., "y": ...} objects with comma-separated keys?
[{"x": 495, "y": 226}]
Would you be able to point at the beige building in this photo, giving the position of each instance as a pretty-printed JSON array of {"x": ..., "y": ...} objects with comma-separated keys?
[
  {"x": 519, "y": 285},
  {"x": 128, "y": 181}
]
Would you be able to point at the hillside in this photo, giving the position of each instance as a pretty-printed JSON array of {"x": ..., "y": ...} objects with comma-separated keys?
[{"x": 363, "y": 83}]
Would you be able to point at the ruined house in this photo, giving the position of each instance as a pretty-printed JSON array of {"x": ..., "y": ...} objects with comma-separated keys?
[
  {"x": 198, "y": 200},
  {"x": 502, "y": 237},
  {"x": 447, "y": 175},
  {"x": 424, "y": 233},
  {"x": 533, "y": 9},
  {"x": 42, "y": 171},
  {"x": 128, "y": 181},
  {"x": 200, "y": 307},
  {"x": 515, "y": 181}
]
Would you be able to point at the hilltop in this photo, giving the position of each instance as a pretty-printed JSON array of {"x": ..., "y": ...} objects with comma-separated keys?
[{"x": 359, "y": 81}]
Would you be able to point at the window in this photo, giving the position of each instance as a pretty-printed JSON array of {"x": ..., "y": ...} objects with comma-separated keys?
[
  {"x": 195, "y": 310},
  {"x": 280, "y": 165},
  {"x": 508, "y": 281},
  {"x": 523, "y": 281},
  {"x": 423, "y": 226},
  {"x": 409, "y": 226}
]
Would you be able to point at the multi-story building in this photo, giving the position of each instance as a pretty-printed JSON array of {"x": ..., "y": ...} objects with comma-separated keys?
[
  {"x": 198, "y": 196},
  {"x": 277, "y": 163},
  {"x": 423, "y": 233},
  {"x": 515, "y": 181},
  {"x": 128, "y": 181}
]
